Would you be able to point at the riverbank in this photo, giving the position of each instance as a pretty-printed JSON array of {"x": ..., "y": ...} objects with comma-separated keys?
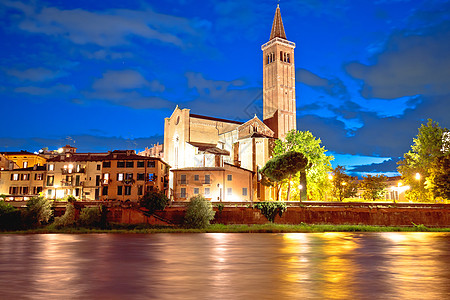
[{"x": 220, "y": 228}]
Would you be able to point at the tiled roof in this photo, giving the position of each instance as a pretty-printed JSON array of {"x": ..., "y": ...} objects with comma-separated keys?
[
  {"x": 210, "y": 148},
  {"x": 199, "y": 169},
  {"x": 214, "y": 119},
  {"x": 277, "y": 26},
  {"x": 115, "y": 155},
  {"x": 22, "y": 152}
]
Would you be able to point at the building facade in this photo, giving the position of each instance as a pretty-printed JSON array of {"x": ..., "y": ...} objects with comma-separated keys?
[{"x": 22, "y": 183}]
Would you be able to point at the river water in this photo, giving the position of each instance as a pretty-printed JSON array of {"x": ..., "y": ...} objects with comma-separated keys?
[{"x": 226, "y": 266}]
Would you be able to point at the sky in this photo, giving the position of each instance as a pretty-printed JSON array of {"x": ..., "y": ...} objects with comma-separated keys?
[{"x": 103, "y": 75}]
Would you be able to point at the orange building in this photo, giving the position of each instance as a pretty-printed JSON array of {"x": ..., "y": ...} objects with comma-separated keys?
[
  {"x": 23, "y": 183},
  {"x": 127, "y": 176},
  {"x": 25, "y": 159}
]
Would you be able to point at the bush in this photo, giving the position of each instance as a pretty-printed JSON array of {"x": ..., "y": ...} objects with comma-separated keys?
[
  {"x": 271, "y": 209},
  {"x": 68, "y": 219},
  {"x": 71, "y": 199},
  {"x": 198, "y": 213},
  {"x": 90, "y": 217},
  {"x": 10, "y": 217},
  {"x": 38, "y": 212},
  {"x": 154, "y": 201}
]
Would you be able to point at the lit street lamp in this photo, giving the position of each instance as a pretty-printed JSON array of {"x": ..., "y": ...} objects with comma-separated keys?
[{"x": 417, "y": 176}]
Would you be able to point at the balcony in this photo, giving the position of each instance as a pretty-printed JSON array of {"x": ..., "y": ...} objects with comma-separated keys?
[
  {"x": 66, "y": 183},
  {"x": 72, "y": 171}
]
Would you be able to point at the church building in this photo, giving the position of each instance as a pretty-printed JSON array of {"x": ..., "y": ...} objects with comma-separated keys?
[{"x": 220, "y": 158}]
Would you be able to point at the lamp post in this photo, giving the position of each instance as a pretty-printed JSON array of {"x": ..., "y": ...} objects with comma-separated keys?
[
  {"x": 220, "y": 192},
  {"x": 300, "y": 187}
]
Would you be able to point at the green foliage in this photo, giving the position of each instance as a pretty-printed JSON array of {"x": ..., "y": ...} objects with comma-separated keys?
[
  {"x": 90, "y": 217},
  {"x": 271, "y": 209},
  {"x": 426, "y": 149},
  {"x": 71, "y": 199},
  {"x": 439, "y": 179},
  {"x": 284, "y": 166},
  {"x": 2, "y": 197},
  {"x": 68, "y": 219},
  {"x": 315, "y": 182},
  {"x": 10, "y": 217},
  {"x": 38, "y": 212},
  {"x": 373, "y": 187},
  {"x": 154, "y": 201},
  {"x": 199, "y": 213},
  {"x": 344, "y": 186},
  {"x": 219, "y": 206}
]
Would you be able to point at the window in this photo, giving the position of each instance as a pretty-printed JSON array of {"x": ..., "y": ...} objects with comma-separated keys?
[
  {"x": 15, "y": 177},
  {"x": 51, "y": 167},
  {"x": 196, "y": 177},
  {"x": 37, "y": 190},
  {"x": 183, "y": 193},
  {"x": 121, "y": 164},
  {"x": 140, "y": 164},
  {"x": 151, "y": 164},
  {"x": 127, "y": 190},
  {"x": 39, "y": 176},
  {"x": 183, "y": 179},
  {"x": 50, "y": 180},
  {"x": 119, "y": 190},
  {"x": 13, "y": 190},
  {"x": 77, "y": 192},
  {"x": 229, "y": 191},
  {"x": 207, "y": 179},
  {"x": 25, "y": 164},
  {"x": 49, "y": 192},
  {"x": 106, "y": 178},
  {"x": 25, "y": 190},
  {"x": 129, "y": 176},
  {"x": 25, "y": 176},
  {"x": 130, "y": 164},
  {"x": 98, "y": 168},
  {"x": 196, "y": 191},
  {"x": 106, "y": 164},
  {"x": 281, "y": 55},
  {"x": 77, "y": 180},
  {"x": 229, "y": 177},
  {"x": 244, "y": 191},
  {"x": 207, "y": 191},
  {"x": 120, "y": 177},
  {"x": 139, "y": 190},
  {"x": 140, "y": 176},
  {"x": 151, "y": 176},
  {"x": 105, "y": 191}
]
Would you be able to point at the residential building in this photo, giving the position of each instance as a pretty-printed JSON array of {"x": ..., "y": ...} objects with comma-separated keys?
[
  {"x": 25, "y": 159},
  {"x": 128, "y": 176},
  {"x": 22, "y": 183}
]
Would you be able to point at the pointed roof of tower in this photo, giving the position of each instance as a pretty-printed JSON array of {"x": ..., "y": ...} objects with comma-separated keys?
[{"x": 277, "y": 26}]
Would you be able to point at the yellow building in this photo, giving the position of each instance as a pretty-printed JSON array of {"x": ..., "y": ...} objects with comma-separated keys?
[
  {"x": 23, "y": 183},
  {"x": 25, "y": 159}
]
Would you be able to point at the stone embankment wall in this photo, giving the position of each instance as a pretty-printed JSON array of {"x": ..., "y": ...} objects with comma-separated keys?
[{"x": 433, "y": 217}]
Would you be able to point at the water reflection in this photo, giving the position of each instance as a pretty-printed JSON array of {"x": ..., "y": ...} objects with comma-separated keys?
[{"x": 226, "y": 266}]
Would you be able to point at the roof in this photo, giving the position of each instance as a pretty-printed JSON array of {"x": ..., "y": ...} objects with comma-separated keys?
[
  {"x": 277, "y": 26},
  {"x": 38, "y": 168},
  {"x": 210, "y": 148},
  {"x": 199, "y": 169},
  {"x": 214, "y": 119},
  {"x": 21, "y": 152},
  {"x": 238, "y": 167},
  {"x": 115, "y": 155}
]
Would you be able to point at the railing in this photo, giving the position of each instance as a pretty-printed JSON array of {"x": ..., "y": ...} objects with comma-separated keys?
[
  {"x": 280, "y": 40},
  {"x": 66, "y": 171}
]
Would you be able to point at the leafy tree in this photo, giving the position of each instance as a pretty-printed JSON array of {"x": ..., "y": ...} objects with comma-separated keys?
[
  {"x": 439, "y": 179},
  {"x": 68, "y": 219},
  {"x": 271, "y": 209},
  {"x": 38, "y": 211},
  {"x": 154, "y": 200},
  {"x": 314, "y": 179},
  {"x": 10, "y": 217},
  {"x": 285, "y": 166},
  {"x": 199, "y": 212},
  {"x": 90, "y": 217},
  {"x": 373, "y": 187},
  {"x": 344, "y": 186},
  {"x": 427, "y": 147}
]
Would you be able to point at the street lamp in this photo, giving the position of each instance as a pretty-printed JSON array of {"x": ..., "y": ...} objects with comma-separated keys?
[
  {"x": 417, "y": 176},
  {"x": 300, "y": 187}
]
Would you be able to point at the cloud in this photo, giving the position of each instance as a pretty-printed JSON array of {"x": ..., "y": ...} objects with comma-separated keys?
[
  {"x": 410, "y": 65},
  {"x": 45, "y": 91},
  {"x": 107, "y": 28},
  {"x": 84, "y": 143},
  {"x": 333, "y": 86},
  {"x": 389, "y": 165},
  {"x": 226, "y": 99},
  {"x": 36, "y": 74},
  {"x": 128, "y": 88}
]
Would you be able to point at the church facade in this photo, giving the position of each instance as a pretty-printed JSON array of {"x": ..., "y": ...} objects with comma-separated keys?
[{"x": 220, "y": 158}]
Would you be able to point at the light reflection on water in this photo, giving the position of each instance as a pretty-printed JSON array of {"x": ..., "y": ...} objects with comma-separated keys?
[{"x": 226, "y": 266}]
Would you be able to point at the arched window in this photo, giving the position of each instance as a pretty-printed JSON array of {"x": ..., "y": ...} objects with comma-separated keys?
[
  {"x": 288, "y": 59},
  {"x": 268, "y": 59},
  {"x": 281, "y": 55}
]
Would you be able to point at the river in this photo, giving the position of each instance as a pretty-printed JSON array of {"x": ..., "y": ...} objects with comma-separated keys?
[{"x": 226, "y": 266}]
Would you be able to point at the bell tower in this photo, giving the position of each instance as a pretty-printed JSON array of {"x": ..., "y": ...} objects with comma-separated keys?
[{"x": 279, "y": 80}]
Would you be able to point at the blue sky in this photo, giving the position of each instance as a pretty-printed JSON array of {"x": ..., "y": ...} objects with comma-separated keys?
[{"x": 103, "y": 75}]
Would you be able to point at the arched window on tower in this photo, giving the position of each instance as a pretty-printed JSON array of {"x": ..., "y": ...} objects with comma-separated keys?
[
  {"x": 268, "y": 59},
  {"x": 285, "y": 59},
  {"x": 281, "y": 55},
  {"x": 288, "y": 59}
]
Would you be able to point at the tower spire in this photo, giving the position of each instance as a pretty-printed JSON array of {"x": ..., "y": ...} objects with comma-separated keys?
[{"x": 277, "y": 25}]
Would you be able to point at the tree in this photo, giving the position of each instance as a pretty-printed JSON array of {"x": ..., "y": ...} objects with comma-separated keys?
[
  {"x": 439, "y": 179},
  {"x": 199, "y": 212},
  {"x": 427, "y": 147},
  {"x": 38, "y": 211},
  {"x": 373, "y": 187},
  {"x": 344, "y": 186},
  {"x": 314, "y": 180},
  {"x": 271, "y": 209},
  {"x": 68, "y": 219},
  {"x": 10, "y": 217},
  {"x": 153, "y": 201},
  {"x": 285, "y": 166}
]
